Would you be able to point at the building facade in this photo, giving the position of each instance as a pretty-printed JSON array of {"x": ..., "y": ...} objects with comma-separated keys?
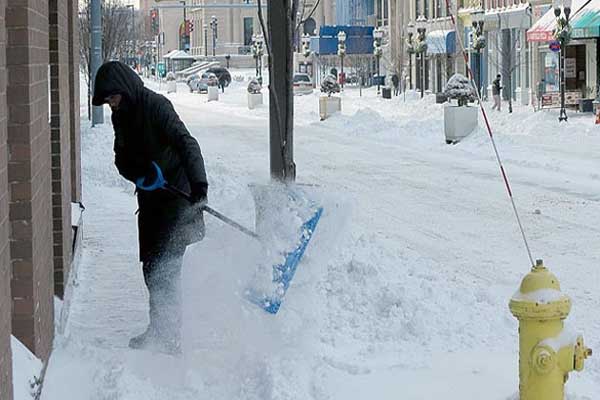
[
  {"x": 39, "y": 169},
  {"x": 170, "y": 21}
]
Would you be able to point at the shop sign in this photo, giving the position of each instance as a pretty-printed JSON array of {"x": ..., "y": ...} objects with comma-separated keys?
[
  {"x": 554, "y": 46},
  {"x": 552, "y": 99}
]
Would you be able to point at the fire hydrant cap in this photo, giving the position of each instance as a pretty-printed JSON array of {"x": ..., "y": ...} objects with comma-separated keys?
[
  {"x": 539, "y": 296},
  {"x": 538, "y": 279}
]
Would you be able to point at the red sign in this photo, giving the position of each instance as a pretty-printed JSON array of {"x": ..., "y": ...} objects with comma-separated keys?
[{"x": 540, "y": 36}]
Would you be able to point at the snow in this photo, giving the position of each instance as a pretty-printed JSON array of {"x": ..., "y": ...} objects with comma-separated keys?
[
  {"x": 27, "y": 370},
  {"x": 541, "y": 296},
  {"x": 566, "y": 338},
  {"x": 404, "y": 289}
]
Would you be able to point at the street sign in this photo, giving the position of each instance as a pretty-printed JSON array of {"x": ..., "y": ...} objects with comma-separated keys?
[
  {"x": 161, "y": 69},
  {"x": 554, "y": 46}
]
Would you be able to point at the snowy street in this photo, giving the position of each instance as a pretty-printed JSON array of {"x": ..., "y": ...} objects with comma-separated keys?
[{"x": 403, "y": 292}]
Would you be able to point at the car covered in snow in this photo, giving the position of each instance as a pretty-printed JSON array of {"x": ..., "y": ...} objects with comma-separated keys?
[
  {"x": 302, "y": 84},
  {"x": 198, "y": 83}
]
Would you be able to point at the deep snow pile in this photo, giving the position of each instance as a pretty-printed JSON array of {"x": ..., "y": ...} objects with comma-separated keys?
[
  {"x": 404, "y": 290},
  {"x": 27, "y": 371}
]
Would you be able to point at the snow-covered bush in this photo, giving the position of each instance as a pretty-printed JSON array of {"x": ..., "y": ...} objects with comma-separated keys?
[
  {"x": 479, "y": 42},
  {"x": 254, "y": 87},
  {"x": 459, "y": 88},
  {"x": 330, "y": 85},
  {"x": 171, "y": 77},
  {"x": 212, "y": 80}
]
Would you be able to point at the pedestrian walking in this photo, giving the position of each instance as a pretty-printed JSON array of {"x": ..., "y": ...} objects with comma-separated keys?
[
  {"x": 496, "y": 90},
  {"x": 396, "y": 84},
  {"x": 149, "y": 134}
]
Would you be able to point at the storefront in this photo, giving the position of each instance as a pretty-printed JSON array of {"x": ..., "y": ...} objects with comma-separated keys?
[
  {"x": 507, "y": 51},
  {"x": 580, "y": 54},
  {"x": 441, "y": 46}
]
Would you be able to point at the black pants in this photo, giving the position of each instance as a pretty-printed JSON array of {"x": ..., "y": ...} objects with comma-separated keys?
[{"x": 162, "y": 274}]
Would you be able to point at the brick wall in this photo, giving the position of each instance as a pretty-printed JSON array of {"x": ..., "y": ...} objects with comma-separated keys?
[
  {"x": 29, "y": 174},
  {"x": 73, "y": 13},
  {"x": 5, "y": 270},
  {"x": 61, "y": 141}
]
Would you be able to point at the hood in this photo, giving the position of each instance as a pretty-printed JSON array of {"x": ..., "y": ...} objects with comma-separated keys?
[{"x": 114, "y": 77}]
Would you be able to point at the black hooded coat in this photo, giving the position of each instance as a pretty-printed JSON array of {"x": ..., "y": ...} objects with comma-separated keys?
[{"x": 148, "y": 129}]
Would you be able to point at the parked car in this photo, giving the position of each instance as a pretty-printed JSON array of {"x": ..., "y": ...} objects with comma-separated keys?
[
  {"x": 198, "y": 83},
  {"x": 222, "y": 74},
  {"x": 302, "y": 84}
]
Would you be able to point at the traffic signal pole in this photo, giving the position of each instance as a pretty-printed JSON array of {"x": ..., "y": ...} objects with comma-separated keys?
[{"x": 281, "y": 101}]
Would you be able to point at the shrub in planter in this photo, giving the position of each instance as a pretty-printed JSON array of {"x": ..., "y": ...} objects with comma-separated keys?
[
  {"x": 329, "y": 85},
  {"x": 254, "y": 87},
  {"x": 459, "y": 120},
  {"x": 459, "y": 88},
  {"x": 255, "y": 97},
  {"x": 212, "y": 80}
]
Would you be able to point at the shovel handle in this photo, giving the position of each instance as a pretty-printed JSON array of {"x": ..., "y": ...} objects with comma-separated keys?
[{"x": 212, "y": 211}]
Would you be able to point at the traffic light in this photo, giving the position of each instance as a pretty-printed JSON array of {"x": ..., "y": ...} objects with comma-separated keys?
[
  {"x": 190, "y": 26},
  {"x": 154, "y": 18}
]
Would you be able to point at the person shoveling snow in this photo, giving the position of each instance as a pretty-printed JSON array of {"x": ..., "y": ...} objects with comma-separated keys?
[
  {"x": 147, "y": 131},
  {"x": 154, "y": 150}
]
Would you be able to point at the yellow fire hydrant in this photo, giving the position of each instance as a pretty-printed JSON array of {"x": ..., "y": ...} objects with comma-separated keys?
[{"x": 547, "y": 350}]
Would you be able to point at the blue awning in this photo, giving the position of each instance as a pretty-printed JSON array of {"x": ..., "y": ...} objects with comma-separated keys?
[{"x": 441, "y": 42}]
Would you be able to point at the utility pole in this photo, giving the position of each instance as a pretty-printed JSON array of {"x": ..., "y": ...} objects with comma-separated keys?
[
  {"x": 281, "y": 101},
  {"x": 96, "y": 59}
]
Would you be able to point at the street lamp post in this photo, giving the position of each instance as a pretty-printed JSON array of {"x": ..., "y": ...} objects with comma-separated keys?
[
  {"x": 563, "y": 35},
  {"x": 183, "y": 39},
  {"x": 213, "y": 25},
  {"x": 410, "y": 49},
  {"x": 257, "y": 53},
  {"x": 478, "y": 42},
  {"x": 205, "y": 40},
  {"x": 133, "y": 39},
  {"x": 377, "y": 51},
  {"x": 421, "y": 48},
  {"x": 342, "y": 52},
  {"x": 306, "y": 45}
]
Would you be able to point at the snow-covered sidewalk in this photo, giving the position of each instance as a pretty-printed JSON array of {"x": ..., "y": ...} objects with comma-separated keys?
[{"x": 403, "y": 292}]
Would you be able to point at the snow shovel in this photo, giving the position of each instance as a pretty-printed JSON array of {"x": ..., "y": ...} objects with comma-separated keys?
[{"x": 282, "y": 273}]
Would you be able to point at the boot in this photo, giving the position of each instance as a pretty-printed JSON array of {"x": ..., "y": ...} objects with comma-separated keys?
[{"x": 143, "y": 340}]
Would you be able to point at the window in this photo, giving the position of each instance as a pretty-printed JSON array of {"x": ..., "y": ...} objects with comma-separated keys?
[{"x": 248, "y": 30}]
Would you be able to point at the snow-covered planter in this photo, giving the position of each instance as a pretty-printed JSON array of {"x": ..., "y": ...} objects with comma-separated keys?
[
  {"x": 171, "y": 83},
  {"x": 329, "y": 105},
  {"x": 459, "y": 119},
  {"x": 213, "y": 93},
  {"x": 255, "y": 96}
]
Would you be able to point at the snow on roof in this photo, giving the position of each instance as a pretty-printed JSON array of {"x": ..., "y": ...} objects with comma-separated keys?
[{"x": 178, "y": 54}]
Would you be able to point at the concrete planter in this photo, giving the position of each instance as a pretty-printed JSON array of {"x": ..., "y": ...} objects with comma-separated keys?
[
  {"x": 254, "y": 100},
  {"x": 459, "y": 122},
  {"x": 213, "y": 93},
  {"x": 171, "y": 87},
  {"x": 329, "y": 105}
]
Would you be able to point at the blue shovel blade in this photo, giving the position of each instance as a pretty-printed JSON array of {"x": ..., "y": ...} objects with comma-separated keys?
[{"x": 284, "y": 273}]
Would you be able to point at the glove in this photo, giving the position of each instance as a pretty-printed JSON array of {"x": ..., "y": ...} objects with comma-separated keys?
[{"x": 199, "y": 192}]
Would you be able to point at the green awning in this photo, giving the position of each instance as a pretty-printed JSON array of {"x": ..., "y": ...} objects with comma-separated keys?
[{"x": 586, "y": 23}]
